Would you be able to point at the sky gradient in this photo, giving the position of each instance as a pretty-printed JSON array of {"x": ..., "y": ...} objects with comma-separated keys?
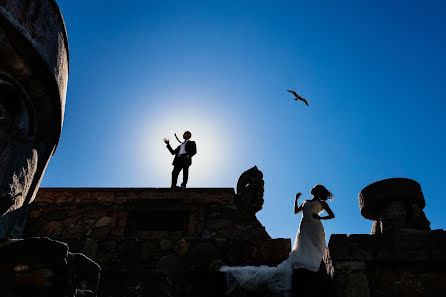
[{"x": 373, "y": 73}]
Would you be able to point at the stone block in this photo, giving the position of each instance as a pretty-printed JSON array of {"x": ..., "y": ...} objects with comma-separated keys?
[
  {"x": 203, "y": 254},
  {"x": 116, "y": 233},
  {"x": 101, "y": 233},
  {"x": 216, "y": 264},
  {"x": 90, "y": 248},
  {"x": 181, "y": 247},
  {"x": 35, "y": 214},
  {"x": 274, "y": 251},
  {"x": 73, "y": 231},
  {"x": 53, "y": 229},
  {"x": 107, "y": 245},
  {"x": 146, "y": 251},
  {"x": 171, "y": 264},
  {"x": 165, "y": 245},
  {"x": 104, "y": 222},
  {"x": 54, "y": 215}
]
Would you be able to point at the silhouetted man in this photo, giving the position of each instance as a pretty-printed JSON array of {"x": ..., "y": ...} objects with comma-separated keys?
[{"x": 183, "y": 158}]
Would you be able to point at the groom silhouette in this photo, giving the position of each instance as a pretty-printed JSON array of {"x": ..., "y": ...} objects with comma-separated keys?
[{"x": 183, "y": 158}]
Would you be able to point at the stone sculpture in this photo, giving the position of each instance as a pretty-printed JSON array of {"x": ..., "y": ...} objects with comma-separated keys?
[
  {"x": 402, "y": 256},
  {"x": 249, "y": 196},
  {"x": 33, "y": 83},
  {"x": 395, "y": 205}
]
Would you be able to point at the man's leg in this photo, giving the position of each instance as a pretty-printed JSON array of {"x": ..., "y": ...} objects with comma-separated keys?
[
  {"x": 185, "y": 175},
  {"x": 175, "y": 172}
]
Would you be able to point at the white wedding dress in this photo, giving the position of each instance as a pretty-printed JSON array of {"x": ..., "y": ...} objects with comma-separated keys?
[{"x": 307, "y": 252}]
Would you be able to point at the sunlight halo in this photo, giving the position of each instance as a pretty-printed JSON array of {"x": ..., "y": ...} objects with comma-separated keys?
[{"x": 210, "y": 130}]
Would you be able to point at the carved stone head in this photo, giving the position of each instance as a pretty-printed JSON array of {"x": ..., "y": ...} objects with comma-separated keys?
[
  {"x": 250, "y": 187},
  {"x": 33, "y": 83}
]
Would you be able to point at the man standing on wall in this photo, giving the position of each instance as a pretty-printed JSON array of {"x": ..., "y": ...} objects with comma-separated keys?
[{"x": 183, "y": 158}]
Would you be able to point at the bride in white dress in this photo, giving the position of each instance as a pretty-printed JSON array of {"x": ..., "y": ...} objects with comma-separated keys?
[{"x": 307, "y": 251}]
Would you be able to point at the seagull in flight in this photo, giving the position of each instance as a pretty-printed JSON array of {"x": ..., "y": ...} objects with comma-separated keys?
[{"x": 297, "y": 97}]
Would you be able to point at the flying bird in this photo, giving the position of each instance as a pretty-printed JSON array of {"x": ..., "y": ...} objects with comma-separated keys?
[{"x": 297, "y": 97}]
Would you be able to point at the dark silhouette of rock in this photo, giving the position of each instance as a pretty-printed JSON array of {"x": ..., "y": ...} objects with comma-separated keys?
[
  {"x": 395, "y": 205},
  {"x": 44, "y": 267},
  {"x": 250, "y": 187}
]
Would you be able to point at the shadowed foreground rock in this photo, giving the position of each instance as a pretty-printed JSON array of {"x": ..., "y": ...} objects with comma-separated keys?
[{"x": 45, "y": 267}]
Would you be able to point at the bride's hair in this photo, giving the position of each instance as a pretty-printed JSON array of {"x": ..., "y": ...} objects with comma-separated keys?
[{"x": 321, "y": 192}]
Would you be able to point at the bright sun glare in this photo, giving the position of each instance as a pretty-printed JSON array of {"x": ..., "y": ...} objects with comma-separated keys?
[{"x": 208, "y": 132}]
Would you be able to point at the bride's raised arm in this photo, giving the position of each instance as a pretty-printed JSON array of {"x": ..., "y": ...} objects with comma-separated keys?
[{"x": 297, "y": 209}]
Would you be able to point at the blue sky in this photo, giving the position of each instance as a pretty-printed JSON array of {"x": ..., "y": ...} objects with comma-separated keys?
[{"x": 372, "y": 71}]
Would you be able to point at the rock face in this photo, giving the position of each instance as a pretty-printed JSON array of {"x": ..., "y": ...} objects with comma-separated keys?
[
  {"x": 181, "y": 237},
  {"x": 401, "y": 257}
]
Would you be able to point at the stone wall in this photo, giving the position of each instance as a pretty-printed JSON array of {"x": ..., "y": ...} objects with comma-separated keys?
[
  {"x": 402, "y": 256},
  {"x": 160, "y": 242},
  {"x": 135, "y": 234},
  {"x": 410, "y": 264}
]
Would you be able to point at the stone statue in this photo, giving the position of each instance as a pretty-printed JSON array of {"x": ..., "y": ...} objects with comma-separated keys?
[
  {"x": 249, "y": 197},
  {"x": 33, "y": 84},
  {"x": 395, "y": 205}
]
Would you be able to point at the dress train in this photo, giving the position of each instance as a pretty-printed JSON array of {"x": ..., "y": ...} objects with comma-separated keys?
[{"x": 307, "y": 252}]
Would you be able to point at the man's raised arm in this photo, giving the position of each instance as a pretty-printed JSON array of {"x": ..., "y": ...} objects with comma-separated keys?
[{"x": 166, "y": 141}]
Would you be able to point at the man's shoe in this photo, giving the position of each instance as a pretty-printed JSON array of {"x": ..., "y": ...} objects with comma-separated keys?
[{"x": 174, "y": 187}]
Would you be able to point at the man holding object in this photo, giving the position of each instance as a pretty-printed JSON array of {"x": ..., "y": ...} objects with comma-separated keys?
[{"x": 183, "y": 158}]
